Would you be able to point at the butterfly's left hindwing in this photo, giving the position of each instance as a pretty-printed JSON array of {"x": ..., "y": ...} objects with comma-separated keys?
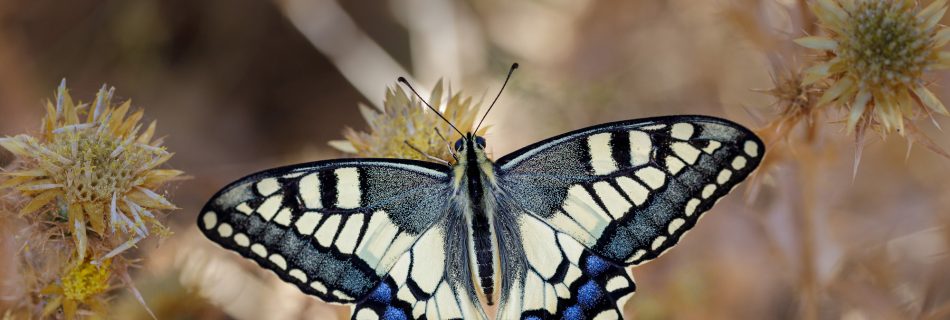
[
  {"x": 333, "y": 228},
  {"x": 430, "y": 281}
]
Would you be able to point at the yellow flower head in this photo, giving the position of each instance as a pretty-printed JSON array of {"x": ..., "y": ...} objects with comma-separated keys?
[
  {"x": 406, "y": 129},
  {"x": 85, "y": 280},
  {"x": 94, "y": 165},
  {"x": 877, "y": 52}
]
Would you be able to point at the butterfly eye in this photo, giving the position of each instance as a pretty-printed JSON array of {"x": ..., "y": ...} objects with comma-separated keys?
[
  {"x": 480, "y": 141},
  {"x": 458, "y": 144}
]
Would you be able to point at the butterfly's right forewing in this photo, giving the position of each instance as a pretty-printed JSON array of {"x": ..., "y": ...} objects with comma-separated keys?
[{"x": 333, "y": 228}]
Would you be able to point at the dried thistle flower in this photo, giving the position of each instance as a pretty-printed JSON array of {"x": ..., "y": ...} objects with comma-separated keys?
[
  {"x": 406, "y": 129},
  {"x": 797, "y": 103},
  {"x": 87, "y": 190},
  {"x": 877, "y": 52},
  {"x": 95, "y": 164}
]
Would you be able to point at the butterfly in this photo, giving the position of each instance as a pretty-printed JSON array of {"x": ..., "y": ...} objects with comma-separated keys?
[{"x": 545, "y": 232}]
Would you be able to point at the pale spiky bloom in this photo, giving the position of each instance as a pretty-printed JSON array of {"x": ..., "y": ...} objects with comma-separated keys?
[
  {"x": 877, "y": 52},
  {"x": 407, "y": 129},
  {"x": 797, "y": 103},
  {"x": 96, "y": 166}
]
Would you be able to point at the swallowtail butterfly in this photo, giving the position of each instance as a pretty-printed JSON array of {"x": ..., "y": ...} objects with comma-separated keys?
[{"x": 545, "y": 232}]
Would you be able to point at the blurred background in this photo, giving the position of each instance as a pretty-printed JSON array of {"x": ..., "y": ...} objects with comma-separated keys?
[{"x": 238, "y": 86}]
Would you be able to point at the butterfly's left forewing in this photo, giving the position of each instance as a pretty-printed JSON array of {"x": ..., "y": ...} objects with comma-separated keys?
[
  {"x": 625, "y": 192},
  {"x": 333, "y": 228}
]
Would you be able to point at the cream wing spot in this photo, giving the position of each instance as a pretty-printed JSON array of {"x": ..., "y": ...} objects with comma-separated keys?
[
  {"x": 682, "y": 131},
  {"x": 244, "y": 208},
  {"x": 751, "y": 148},
  {"x": 269, "y": 208},
  {"x": 550, "y": 298},
  {"x": 379, "y": 235},
  {"x": 571, "y": 248},
  {"x": 342, "y": 295},
  {"x": 427, "y": 274},
  {"x": 712, "y": 146},
  {"x": 686, "y": 152},
  {"x": 210, "y": 219},
  {"x": 350, "y": 233},
  {"x": 691, "y": 206},
  {"x": 708, "y": 190},
  {"x": 637, "y": 255},
  {"x": 601, "y": 156},
  {"x": 310, "y": 191},
  {"x": 348, "y": 189},
  {"x": 400, "y": 270},
  {"x": 654, "y": 127},
  {"x": 607, "y": 315},
  {"x": 259, "y": 250},
  {"x": 278, "y": 261},
  {"x": 326, "y": 231},
  {"x": 418, "y": 310},
  {"x": 738, "y": 163},
  {"x": 225, "y": 230},
  {"x": 541, "y": 260},
  {"x": 640, "y": 148},
  {"x": 634, "y": 190},
  {"x": 448, "y": 308},
  {"x": 268, "y": 186},
  {"x": 615, "y": 283},
  {"x": 676, "y": 224},
  {"x": 582, "y": 207},
  {"x": 616, "y": 205},
  {"x": 308, "y": 222},
  {"x": 534, "y": 286},
  {"x": 658, "y": 242},
  {"x": 562, "y": 291},
  {"x": 242, "y": 240},
  {"x": 405, "y": 295},
  {"x": 724, "y": 176},
  {"x": 299, "y": 275},
  {"x": 573, "y": 273},
  {"x": 283, "y": 217},
  {"x": 319, "y": 286},
  {"x": 652, "y": 177},
  {"x": 674, "y": 164},
  {"x": 366, "y": 314}
]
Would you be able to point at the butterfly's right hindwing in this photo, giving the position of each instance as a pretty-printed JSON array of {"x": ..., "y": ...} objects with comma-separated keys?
[{"x": 333, "y": 228}]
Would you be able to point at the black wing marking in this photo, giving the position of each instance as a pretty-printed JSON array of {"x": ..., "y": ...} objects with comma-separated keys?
[
  {"x": 333, "y": 228},
  {"x": 629, "y": 190}
]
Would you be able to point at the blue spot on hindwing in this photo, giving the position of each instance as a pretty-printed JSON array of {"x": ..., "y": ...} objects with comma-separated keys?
[
  {"x": 382, "y": 293},
  {"x": 595, "y": 265},
  {"x": 394, "y": 314},
  {"x": 588, "y": 294},
  {"x": 573, "y": 313}
]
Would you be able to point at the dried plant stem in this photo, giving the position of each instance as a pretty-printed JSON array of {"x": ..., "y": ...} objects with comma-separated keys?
[
  {"x": 362, "y": 61},
  {"x": 808, "y": 170}
]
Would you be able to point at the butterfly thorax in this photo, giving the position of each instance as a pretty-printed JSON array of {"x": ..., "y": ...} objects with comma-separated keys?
[{"x": 474, "y": 181}]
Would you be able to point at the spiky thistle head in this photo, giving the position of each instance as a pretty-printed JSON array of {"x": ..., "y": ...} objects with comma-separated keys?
[
  {"x": 876, "y": 54},
  {"x": 408, "y": 130},
  {"x": 95, "y": 166}
]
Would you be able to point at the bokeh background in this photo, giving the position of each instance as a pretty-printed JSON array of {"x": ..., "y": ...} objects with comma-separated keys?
[{"x": 238, "y": 86}]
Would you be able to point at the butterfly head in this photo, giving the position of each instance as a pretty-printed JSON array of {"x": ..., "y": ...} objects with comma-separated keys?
[{"x": 461, "y": 144}]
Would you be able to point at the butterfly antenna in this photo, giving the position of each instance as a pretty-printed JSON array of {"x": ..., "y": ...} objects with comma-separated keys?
[
  {"x": 403, "y": 81},
  {"x": 447, "y": 144},
  {"x": 510, "y": 71}
]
